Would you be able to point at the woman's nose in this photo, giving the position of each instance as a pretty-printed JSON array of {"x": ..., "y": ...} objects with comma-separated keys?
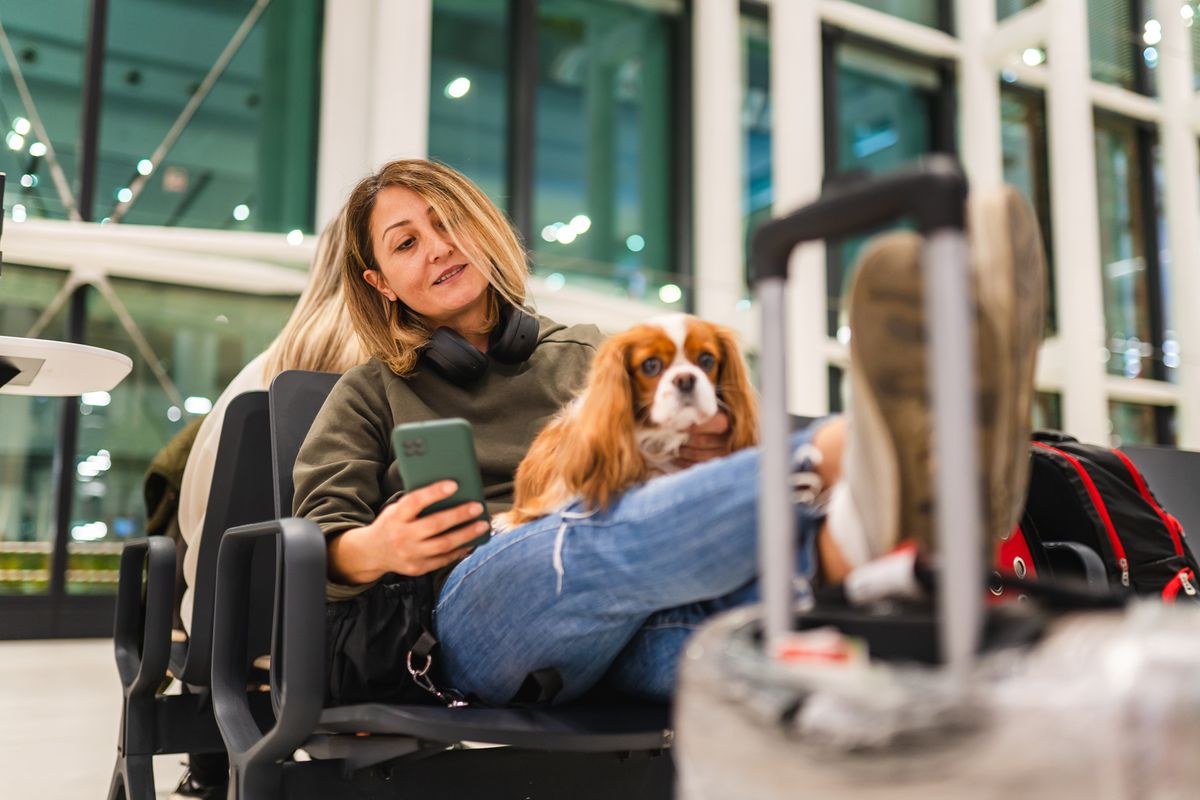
[{"x": 442, "y": 248}]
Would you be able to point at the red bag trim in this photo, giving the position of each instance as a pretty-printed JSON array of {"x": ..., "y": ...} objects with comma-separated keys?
[
  {"x": 1171, "y": 591},
  {"x": 1149, "y": 498},
  {"x": 1098, "y": 502}
]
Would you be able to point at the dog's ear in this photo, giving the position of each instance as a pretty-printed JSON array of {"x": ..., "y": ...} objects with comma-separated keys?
[
  {"x": 736, "y": 394},
  {"x": 600, "y": 458}
]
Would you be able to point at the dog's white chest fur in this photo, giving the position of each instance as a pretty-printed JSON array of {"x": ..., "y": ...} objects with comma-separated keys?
[{"x": 660, "y": 447}]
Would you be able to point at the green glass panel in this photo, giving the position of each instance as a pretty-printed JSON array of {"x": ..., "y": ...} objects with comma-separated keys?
[
  {"x": 48, "y": 39},
  {"x": 469, "y": 91},
  {"x": 1134, "y": 423},
  {"x": 1123, "y": 39},
  {"x": 756, "y": 127},
  {"x": 603, "y": 203},
  {"x": 925, "y": 12},
  {"x": 1123, "y": 219},
  {"x": 251, "y": 142},
  {"x": 1026, "y": 166},
  {"x": 200, "y": 338},
  {"x": 1006, "y": 8},
  {"x": 1047, "y": 411},
  {"x": 886, "y": 109},
  {"x": 28, "y": 438}
]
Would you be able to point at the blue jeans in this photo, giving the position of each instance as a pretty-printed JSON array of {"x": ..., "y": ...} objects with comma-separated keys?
[{"x": 616, "y": 591}]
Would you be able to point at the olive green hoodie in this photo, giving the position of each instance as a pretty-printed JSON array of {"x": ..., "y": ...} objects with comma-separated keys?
[{"x": 346, "y": 472}]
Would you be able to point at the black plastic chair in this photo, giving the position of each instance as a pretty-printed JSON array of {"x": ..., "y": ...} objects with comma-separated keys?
[
  {"x": 152, "y": 723},
  {"x": 1174, "y": 477},
  {"x": 585, "y": 751}
]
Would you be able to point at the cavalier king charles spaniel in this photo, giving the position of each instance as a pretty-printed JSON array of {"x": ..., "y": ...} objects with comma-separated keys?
[{"x": 647, "y": 387}]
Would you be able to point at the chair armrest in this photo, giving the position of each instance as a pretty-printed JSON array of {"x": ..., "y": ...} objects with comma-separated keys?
[
  {"x": 1083, "y": 559},
  {"x": 142, "y": 629},
  {"x": 297, "y": 642}
]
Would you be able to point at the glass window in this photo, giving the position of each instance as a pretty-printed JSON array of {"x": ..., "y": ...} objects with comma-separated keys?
[
  {"x": 925, "y": 12},
  {"x": 201, "y": 339},
  {"x": 468, "y": 93},
  {"x": 1123, "y": 38},
  {"x": 603, "y": 187},
  {"x": 245, "y": 159},
  {"x": 1047, "y": 411},
  {"x": 1026, "y": 166},
  {"x": 28, "y": 439},
  {"x": 1006, "y": 8},
  {"x": 48, "y": 40},
  {"x": 756, "y": 127},
  {"x": 1134, "y": 423},
  {"x": 888, "y": 112},
  {"x": 1130, "y": 261}
]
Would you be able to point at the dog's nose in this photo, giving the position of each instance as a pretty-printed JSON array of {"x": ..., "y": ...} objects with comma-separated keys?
[{"x": 685, "y": 383}]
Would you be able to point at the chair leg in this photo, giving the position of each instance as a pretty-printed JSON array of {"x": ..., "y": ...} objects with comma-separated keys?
[
  {"x": 116, "y": 788},
  {"x": 137, "y": 776}
]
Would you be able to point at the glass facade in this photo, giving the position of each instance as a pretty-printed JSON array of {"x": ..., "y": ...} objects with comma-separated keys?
[
  {"x": 1130, "y": 230},
  {"x": 242, "y": 158},
  {"x": 49, "y": 40},
  {"x": 469, "y": 91},
  {"x": 757, "y": 193},
  {"x": 887, "y": 112},
  {"x": 1135, "y": 423},
  {"x": 604, "y": 133},
  {"x": 28, "y": 442},
  {"x": 602, "y": 208},
  {"x": 200, "y": 340},
  {"x": 1026, "y": 166},
  {"x": 926, "y": 12}
]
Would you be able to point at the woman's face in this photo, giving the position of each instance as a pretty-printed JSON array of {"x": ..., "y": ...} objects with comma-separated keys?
[{"x": 419, "y": 264}]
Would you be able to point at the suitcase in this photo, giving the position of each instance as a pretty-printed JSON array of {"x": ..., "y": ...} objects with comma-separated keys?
[{"x": 953, "y": 700}]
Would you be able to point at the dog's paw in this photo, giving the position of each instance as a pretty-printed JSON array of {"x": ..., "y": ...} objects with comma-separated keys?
[{"x": 503, "y": 523}]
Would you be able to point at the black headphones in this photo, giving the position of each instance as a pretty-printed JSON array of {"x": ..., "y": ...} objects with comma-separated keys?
[{"x": 512, "y": 341}]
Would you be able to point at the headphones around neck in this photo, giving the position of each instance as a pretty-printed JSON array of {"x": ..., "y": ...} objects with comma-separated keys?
[{"x": 512, "y": 341}]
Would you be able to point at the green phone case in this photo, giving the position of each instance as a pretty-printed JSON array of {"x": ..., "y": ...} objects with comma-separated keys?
[{"x": 427, "y": 452}]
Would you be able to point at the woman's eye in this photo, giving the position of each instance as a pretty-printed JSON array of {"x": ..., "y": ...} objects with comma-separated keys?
[
  {"x": 407, "y": 243},
  {"x": 706, "y": 361},
  {"x": 651, "y": 367}
]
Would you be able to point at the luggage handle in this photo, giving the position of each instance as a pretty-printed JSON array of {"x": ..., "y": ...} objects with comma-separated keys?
[{"x": 933, "y": 194}]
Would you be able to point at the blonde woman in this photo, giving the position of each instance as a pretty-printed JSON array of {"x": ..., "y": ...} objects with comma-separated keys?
[{"x": 318, "y": 336}]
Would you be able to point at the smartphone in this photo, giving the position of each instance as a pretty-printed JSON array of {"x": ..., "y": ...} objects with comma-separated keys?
[{"x": 428, "y": 452}]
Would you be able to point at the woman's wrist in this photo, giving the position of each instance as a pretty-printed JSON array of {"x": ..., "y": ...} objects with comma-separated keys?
[{"x": 349, "y": 562}]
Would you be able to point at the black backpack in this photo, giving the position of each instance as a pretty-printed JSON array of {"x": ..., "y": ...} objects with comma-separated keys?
[{"x": 1090, "y": 515}]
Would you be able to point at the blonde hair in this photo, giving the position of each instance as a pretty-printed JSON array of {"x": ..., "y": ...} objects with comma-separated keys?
[
  {"x": 318, "y": 335},
  {"x": 390, "y": 331}
]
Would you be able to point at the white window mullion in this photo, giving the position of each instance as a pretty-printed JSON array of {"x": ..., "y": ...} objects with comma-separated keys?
[
  {"x": 797, "y": 164},
  {"x": 1182, "y": 200},
  {"x": 1075, "y": 218},
  {"x": 717, "y": 157},
  {"x": 374, "y": 92},
  {"x": 979, "y": 95}
]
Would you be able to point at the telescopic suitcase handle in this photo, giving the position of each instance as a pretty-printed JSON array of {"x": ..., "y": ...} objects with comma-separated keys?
[{"x": 933, "y": 196}]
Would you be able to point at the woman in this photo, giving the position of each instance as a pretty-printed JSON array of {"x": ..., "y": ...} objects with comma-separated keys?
[
  {"x": 318, "y": 336},
  {"x": 425, "y": 249}
]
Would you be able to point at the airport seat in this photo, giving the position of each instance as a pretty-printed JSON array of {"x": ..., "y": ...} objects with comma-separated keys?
[
  {"x": 1174, "y": 476},
  {"x": 153, "y": 723},
  {"x": 603, "y": 750}
]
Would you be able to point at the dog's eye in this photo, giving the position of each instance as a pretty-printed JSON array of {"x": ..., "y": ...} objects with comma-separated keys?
[
  {"x": 706, "y": 361},
  {"x": 651, "y": 367}
]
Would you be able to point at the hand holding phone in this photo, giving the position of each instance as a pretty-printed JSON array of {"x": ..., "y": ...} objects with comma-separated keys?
[{"x": 427, "y": 452}]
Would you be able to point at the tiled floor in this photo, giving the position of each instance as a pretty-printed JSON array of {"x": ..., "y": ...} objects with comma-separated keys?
[{"x": 59, "y": 710}]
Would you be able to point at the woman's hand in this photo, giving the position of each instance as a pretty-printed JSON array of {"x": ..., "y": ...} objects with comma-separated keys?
[
  {"x": 401, "y": 541},
  {"x": 705, "y": 441}
]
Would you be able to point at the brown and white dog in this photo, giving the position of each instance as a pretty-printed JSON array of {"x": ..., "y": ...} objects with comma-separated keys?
[{"x": 646, "y": 388}]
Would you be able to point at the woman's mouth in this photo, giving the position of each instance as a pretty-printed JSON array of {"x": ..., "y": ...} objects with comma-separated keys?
[{"x": 450, "y": 274}]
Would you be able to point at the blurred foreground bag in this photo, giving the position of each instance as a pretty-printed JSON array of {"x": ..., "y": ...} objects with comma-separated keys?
[
  {"x": 1105, "y": 706},
  {"x": 1089, "y": 499}
]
